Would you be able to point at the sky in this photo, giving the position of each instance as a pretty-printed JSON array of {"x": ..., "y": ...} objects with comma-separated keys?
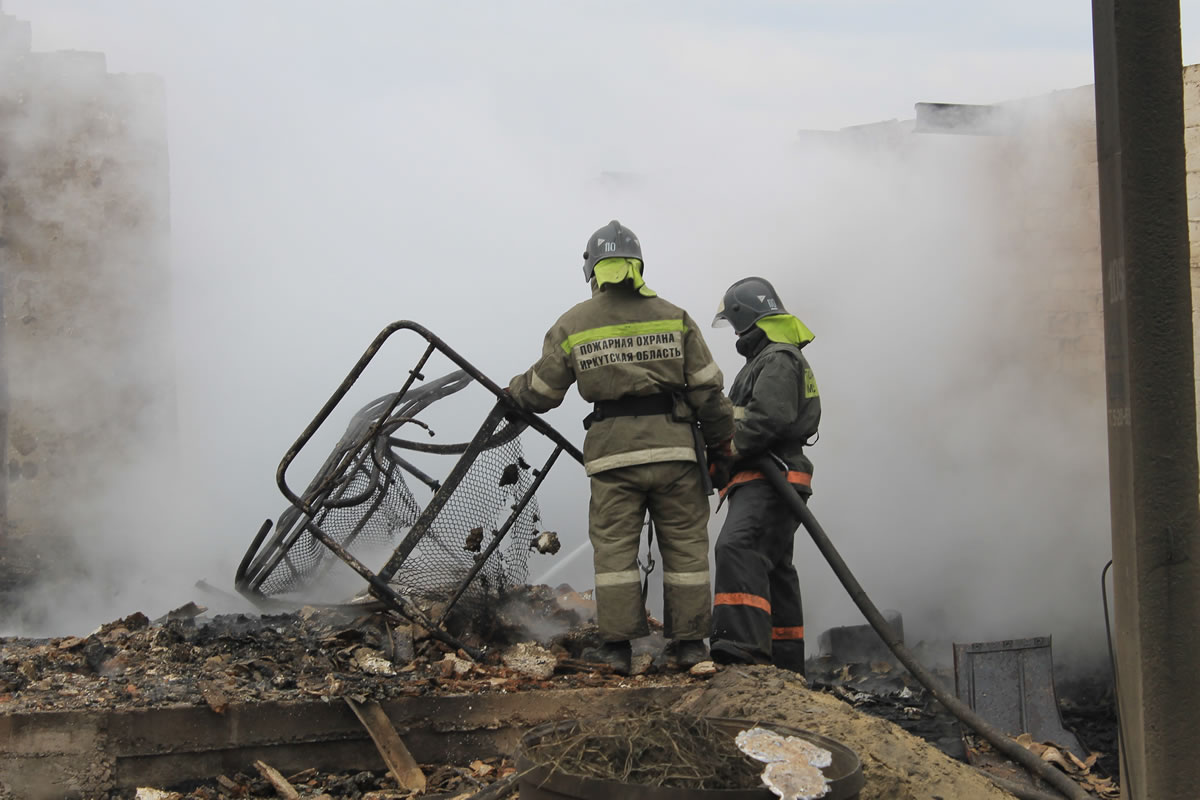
[{"x": 337, "y": 166}]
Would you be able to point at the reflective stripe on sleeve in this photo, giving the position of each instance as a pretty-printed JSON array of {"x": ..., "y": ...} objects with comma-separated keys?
[
  {"x": 739, "y": 412},
  {"x": 783, "y": 634},
  {"x": 544, "y": 389},
  {"x": 742, "y": 599},
  {"x": 618, "y": 578},
  {"x": 685, "y": 578},
  {"x": 704, "y": 375},
  {"x": 632, "y": 458}
]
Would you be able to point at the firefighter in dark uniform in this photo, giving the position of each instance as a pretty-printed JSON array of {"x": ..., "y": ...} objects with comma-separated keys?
[
  {"x": 658, "y": 405},
  {"x": 757, "y": 615}
]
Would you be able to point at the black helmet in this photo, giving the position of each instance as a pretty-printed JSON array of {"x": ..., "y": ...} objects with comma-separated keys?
[
  {"x": 614, "y": 240},
  {"x": 746, "y": 302}
]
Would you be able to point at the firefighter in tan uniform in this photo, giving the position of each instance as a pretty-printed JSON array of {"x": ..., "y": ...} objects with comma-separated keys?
[{"x": 643, "y": 364}]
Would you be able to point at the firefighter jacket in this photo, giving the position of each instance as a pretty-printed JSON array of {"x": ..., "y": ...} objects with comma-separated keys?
[
  {"x": 776, "y": 406},
  {"x": 620, "y": 344}
]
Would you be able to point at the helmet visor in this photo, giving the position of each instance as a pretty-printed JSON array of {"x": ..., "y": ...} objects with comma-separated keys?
[{"x": 720, "y": 320}]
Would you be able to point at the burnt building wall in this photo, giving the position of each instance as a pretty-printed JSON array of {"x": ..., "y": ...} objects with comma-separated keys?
[{"x": 84, "y": 230}]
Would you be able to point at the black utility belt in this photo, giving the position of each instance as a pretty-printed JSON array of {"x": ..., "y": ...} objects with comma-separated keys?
[{"x": 643, "y": 406}]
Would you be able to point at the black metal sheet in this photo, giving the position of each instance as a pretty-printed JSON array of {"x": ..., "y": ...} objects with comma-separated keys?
[{"x": 1010, "y": 684}]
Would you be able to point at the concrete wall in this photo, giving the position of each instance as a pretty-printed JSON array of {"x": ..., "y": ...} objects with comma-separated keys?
[{"x": 84, "y": 262}]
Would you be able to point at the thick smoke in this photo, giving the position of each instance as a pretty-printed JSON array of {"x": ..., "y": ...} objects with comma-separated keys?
[{"x": 333, "y": 170}]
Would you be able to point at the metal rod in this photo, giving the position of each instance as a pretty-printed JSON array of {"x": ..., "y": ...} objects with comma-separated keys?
[
  {"x": 265, "y": 562},
  {"x": 502, "y": 436},
  {"x": 331, "y": 403},
  {"x": 534, "y": 421},
  {"x": 347, "y": 480},
  {"x": 239, "y": 577},
  {"x": 412, "y": 469}
]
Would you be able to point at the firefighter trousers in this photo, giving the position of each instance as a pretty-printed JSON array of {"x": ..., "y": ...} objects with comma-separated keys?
[
  {"x": 757, "y": 614},
  {"x": 673, "y": 494}
]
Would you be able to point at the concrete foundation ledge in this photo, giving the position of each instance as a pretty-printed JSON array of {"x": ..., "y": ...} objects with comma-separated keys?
[{"x": 51, "y": 755}]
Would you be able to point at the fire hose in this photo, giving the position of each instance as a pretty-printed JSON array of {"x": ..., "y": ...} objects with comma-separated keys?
[{"x": 997, "y": 739}]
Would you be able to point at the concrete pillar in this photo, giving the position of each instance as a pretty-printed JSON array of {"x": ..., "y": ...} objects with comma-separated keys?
[
  {"x": 3, "y": 402},
  {"x": 1151, "y": 393}
]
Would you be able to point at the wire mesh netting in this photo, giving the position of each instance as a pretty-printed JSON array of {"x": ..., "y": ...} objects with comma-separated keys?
[
  {"x": 474, "y": 513},
  {"x": 361, "y": 499}
]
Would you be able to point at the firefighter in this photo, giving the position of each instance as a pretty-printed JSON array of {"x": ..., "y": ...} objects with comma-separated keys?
[
  {"x": 658, "y": 405},
  {"x": 757, "y": 615}
]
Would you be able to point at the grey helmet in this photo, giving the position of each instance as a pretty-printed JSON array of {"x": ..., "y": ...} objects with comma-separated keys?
[
  {"x": 614, "y": 240},
  {"x": 746, "y": 302}
]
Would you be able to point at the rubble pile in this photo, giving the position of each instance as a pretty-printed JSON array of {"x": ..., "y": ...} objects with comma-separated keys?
[
  {"x": 184, "y": 658},
  {"x": 533, "y": 641},
  {"x": 1080, "y": 770},
  {"x": 884, "y": 690},
  {"x": 887, "y": 691},
  {"x": 897, "y": 765}
]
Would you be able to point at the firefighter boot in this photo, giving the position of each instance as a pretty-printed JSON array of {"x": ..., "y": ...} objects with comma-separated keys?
[
  {"x": 689, "y": 653},
  {"x": 616, "y": 655}
]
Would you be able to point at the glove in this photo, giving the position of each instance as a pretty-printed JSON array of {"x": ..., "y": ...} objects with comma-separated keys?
[
  {"x": 721, "y": 472},
  {"x": 722, "y": 451},
  {"x": 512, "y": 416},
  {"x": 720, "y": 463}
]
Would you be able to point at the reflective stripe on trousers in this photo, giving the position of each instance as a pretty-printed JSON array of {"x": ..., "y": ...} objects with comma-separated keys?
[
  {"x": 757, "y": 611},
  {"x": 794, "y": 477},
  {"x": 671, "y": 492}
]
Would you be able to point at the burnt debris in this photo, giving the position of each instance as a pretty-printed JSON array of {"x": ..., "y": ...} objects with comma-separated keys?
[{"x": 534, "y": 640}]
